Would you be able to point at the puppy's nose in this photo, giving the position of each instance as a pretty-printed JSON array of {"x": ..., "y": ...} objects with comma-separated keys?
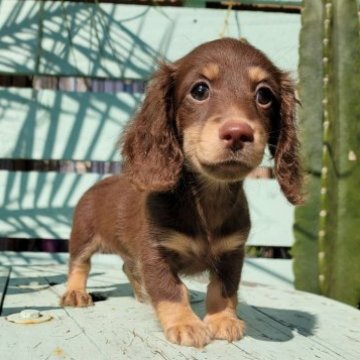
[{"x": 235, "y": 134}]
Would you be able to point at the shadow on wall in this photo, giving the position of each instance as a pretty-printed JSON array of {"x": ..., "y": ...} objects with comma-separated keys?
[
  {"x": 74, "y": 39},
  {"x": 64, "y": 38},
  {"x": 47, "y": 125}
]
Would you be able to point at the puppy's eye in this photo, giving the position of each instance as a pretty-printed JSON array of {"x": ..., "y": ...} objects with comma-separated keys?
[
  {"x": 200, "y": 91},
  {"x": 264, "y": 97}
]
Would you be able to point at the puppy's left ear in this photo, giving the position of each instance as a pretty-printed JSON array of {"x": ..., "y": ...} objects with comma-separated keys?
[
  {"x": 151, "y": 151},
  {"x": 284, "y": 145}
]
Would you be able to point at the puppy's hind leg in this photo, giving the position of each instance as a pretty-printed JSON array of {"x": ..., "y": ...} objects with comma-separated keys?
[
  {"x": 136, "y": 282},
  {"x": 76, "y": 294},
  {"x": 79, "y": 269}
]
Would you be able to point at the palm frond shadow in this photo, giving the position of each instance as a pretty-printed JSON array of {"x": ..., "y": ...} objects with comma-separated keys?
[{"x": 69, "y": 39}]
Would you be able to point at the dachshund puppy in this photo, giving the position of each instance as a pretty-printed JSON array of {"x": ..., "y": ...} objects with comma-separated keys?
[{"x": 179, "y": 205}]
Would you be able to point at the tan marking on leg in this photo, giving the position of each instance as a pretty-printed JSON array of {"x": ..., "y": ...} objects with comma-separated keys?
[
  {"x": 257, "y": 74},
  {"x": 210, "y": 71},
  {"x": 79, "y": 268},
  {"x": 180, "y": 324},
  {"x": 221, "y": 317},
  {"x": 78, "y": 276},
  {"x": 76, "y": 294}
]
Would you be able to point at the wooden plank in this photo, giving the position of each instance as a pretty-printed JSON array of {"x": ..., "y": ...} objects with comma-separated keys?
[
  {"x": 4, "y": 278},
  {"x": 19, "y": 26},
  {"x": 272, "y": 216},
  {"x": 18, "y": 258},
  {"x": 281, "y": 324},
  {"x": 269, "y": 272},
  {"x": 281, "y": 341},
  {"x": 254, "y": 2},
  {"x": 125, "y": 328},
  {"x": 40, "y": 205},
  {"x": 48, "y": 124},
  {"x": 312, "y": 316},
  {"x": 275, "y": 272},
  {"x": 126, "y": 41},
  {"x": 61, "y": 337}
]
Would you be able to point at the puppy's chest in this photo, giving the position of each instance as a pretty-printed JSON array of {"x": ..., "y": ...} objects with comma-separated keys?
[{"x": 201, "y": 250}]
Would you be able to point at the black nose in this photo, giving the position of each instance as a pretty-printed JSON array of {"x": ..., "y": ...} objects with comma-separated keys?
[{"x": 235, "y": 134}]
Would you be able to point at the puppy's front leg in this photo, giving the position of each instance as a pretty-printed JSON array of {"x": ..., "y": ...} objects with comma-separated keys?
[
  {"x": 221, "y": 300},
  {"x": 169, "y": 297}
]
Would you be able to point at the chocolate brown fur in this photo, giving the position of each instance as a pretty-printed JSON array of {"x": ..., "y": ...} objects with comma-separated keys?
[{"x": 179, "y": 206}]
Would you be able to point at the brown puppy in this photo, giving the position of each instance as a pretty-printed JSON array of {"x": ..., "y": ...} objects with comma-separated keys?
[{"x": 179, "y": 206}]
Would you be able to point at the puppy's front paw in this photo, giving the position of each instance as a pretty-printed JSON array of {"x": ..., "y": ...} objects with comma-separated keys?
[
  {"x": 76, "y": 298},
  {"x": 225, "y": 327},
  {"x": 189, "y": 333}
]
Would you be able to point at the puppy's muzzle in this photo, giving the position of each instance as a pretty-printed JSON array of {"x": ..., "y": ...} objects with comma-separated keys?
[{"x": 234, "y": 135}]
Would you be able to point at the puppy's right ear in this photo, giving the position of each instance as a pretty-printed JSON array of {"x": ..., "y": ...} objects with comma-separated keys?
[
  {"x": 152, "y": 157},
  {"x": 285, "y": 145}
]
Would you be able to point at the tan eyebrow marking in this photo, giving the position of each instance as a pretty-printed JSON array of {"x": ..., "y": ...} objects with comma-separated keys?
[
  {"x": 257, "y": 74},
  {"x": 210, "y": 71}
]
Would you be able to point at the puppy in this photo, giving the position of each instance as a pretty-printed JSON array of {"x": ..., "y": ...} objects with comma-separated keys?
[{"x": 179, "y": 206}]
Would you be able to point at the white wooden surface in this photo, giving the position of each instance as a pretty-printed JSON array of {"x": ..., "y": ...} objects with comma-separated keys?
[
  {"x": 281, "y": 323},
  {"x": 264, "y": 271}
]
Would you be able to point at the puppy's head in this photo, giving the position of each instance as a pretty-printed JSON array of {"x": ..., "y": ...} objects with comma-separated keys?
[{"x": 214, "y": 111}]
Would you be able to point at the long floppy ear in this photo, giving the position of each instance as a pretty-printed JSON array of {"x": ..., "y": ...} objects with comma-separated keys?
[
  {"x": 151, "y": 152},
  {"x": 284, "y": 144}
]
